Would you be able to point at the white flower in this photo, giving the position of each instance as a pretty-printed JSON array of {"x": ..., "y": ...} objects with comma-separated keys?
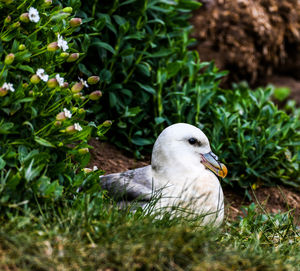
[
  {"x": 8, "y": 86},
  {"x": 61, "y": 43},
  {"x": 68, "y": 114},
  {"x": 41, "y": 74},
  {"x": 77, "y": 127},
  {"x": 60, "y": 80},
  {"x": 33, "y": 15},
  {"x": 83, "y": 82},
  {"x": 95, "y": 168}
]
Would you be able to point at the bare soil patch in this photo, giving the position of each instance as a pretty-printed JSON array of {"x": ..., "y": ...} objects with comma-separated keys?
[{"x": 273, "y": 199}]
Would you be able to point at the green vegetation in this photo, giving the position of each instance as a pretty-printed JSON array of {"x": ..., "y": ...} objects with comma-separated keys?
[
  {"x": 42, "y": 119},
  {"x": 137, "y": 53},
  {"x": 90, "y": 235},
  {"x": 150, "y": 79}
]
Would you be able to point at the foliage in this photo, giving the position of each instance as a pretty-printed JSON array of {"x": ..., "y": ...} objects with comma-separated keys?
[
  {"x": 150, "y": 79},
  {"x": 87, "y": 234},
  {"x": 42, "y": 127}
]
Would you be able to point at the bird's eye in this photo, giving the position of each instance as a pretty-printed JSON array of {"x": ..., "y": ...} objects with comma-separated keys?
[{"x": 192, "y": 140}]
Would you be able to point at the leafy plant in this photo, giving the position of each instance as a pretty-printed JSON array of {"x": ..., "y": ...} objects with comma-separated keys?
[
  {"x": 43, "y": 131},
  {"x": 150, "y": 79}
]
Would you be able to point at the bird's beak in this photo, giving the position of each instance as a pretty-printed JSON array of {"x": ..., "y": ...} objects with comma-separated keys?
[{"x": 210, "y": 160}]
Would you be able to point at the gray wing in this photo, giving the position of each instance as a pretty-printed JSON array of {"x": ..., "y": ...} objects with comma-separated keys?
[{"x": 129, "y": 185}]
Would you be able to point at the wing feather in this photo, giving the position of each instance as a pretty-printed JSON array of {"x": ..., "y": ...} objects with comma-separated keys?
[{"x": 136, "y": 184}]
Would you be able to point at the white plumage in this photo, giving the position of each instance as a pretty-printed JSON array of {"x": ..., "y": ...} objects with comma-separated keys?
[{"x": 181, "y": 172}]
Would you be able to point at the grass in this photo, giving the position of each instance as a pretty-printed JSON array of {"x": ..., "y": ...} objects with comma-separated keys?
[{"x": 90, "y": 234}]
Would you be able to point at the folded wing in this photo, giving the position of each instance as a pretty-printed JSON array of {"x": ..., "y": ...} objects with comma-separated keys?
[{"x": 136, "y": 184}]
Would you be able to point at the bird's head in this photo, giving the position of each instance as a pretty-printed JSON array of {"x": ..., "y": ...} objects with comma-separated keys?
[{"x": 184, "y": 146}]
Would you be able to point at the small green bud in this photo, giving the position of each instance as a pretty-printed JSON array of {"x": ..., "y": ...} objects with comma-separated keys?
[
  {"x": 53, "y": 46},
  {"x": 3, "y": 92},
  {"x": 81, "y": 111},
  {"x": 7, "y": 1},
  {"x": 24, "y": 17},
  {"x": 60, "y": 144},
  {"x": 74, "y": 109},
  {"x": 22, "y": 47},
  {"x": 52, "y": 83},
  {"x": 64, "y": 54},
  {"x": 70, "y": 129},
  {"x": 7, "y": 20},
  {"x": 48, "y": 3},
  {"x": 92, "y": 80},
  {"x": 73, "y": 57},
  {"x": 25, "y": 85},
  {"x": 83, "y": 150},
  {"x": 31, "y": 93},
  {"x": 35, "y": 79},
  {"x": 57, "y": 123},
  {"x": 9, "y": 59},
  {"x": 95, "y": 95},
  {"x": 77, "y": 95},
  {"x": 16, "y": 25},
  {"x": 75, "y": 22},
  {"x": 107, "y": 123},
  {"x": 77, "y": 87},
  {"x": 61, "y": 116},
  {"x": 67, "y": 10}
]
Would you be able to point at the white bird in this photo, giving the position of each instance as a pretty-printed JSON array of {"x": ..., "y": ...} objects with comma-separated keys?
[{"x": 182, "y": 172}]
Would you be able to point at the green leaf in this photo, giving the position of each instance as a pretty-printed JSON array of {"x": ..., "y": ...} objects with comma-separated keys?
[
  {"x": 43, "y": 142},
  {"x": 31, "y": 173},
  {"x": 141, "y": 141},
  {"x": 26, "y": 68},
  {"x": 103, "y": 45},
  {"x": 147, "y": 88},
  {"x": 2, "y": 163}
]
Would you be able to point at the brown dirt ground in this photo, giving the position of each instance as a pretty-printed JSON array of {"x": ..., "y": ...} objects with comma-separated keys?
[{"x": 272, "y": 199}]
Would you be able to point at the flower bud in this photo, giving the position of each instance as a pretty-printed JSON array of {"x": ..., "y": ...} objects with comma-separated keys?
[
  {"x": 65, "y": 85},
  {"x": 25, "y": 85},
  {"x": 70, "y": 129},
  {"x": 61, "y": 116},
  {"x": 3, "y": 92},
  {"x": 35, "y": 79},
  {"x": 52, "y": 83},
  {"x": 77, "y": 95},
  {"x": 67, "y": 10},
  {"x": 7, "y": 20},
  {"x": 83, "y": 150},
  {"x": 82, "y": 98},
  {"x": 24, "y": 17},
  {"x": 64, "y": 54},
  {"x": 57, "y": 123},
  {"x": 9, "y": 59},
  {"x": 92, "y": 80},
  {"x": 22, "y": 47},
  {"x": 75, "y": 22},
  {"x": 107, "y": 123},
  {"x": 77, "y": 87},
  {"x": 87, "y": 170},
  {"x": 53, "y": 46},
  {"x": 16, "y": 25},
  {"x": 47, "y": 3},
  {"x": 73, "y": 57},
  {"x": 74, "y": 109},
  {"x": 95, "y": 95},
  {"x": 30, "y": 93},
  {"x": 81, "y": 111},
  {"x": 60, "y": 144}
]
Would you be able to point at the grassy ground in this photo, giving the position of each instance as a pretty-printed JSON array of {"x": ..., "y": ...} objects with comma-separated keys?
[{"x": 89, "y": 234}]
